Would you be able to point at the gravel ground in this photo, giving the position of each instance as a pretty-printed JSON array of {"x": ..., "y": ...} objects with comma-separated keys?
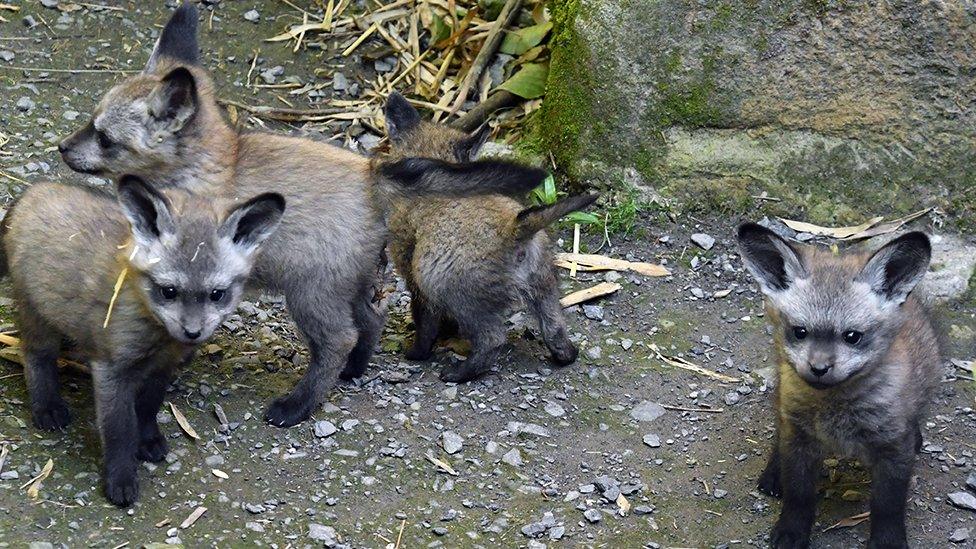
[{"x": 529, "y": 456}]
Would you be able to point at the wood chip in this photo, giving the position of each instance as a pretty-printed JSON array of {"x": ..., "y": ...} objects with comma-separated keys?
[
  {"x": 194, "y": 516},
  {"x": 184, "y": 424},
  {"x": 623, "y": 504},
  {"x": 219, "y": 474},
  {"x": 601, "y": 289},
  {"x": 593, "y": 262}
]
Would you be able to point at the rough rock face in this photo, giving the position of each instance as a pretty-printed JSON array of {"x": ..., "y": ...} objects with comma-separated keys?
[{"x": 839, "y": 108}]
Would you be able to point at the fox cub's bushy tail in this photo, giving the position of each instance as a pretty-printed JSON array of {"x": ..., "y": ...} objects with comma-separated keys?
[
  {"x": 532, "y": 220},
  {"x": 417, "y": 176}
]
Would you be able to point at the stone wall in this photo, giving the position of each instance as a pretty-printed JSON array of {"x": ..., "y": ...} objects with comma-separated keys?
[{"x": 839, "y": 108}]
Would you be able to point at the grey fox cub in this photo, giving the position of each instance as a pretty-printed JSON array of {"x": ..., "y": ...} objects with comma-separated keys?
[
  {"x": 470, "y": 259},
  {"x": 185, "y": 259},
  {"x": 858, "y": 360}
]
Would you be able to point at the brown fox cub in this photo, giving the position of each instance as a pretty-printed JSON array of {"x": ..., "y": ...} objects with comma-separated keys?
[
  {"x": 469, "y": 259},
  {"x": 165, "y": 126},
  {"x": 858, "y": 360},
  {"x": 185, "y": 259}
]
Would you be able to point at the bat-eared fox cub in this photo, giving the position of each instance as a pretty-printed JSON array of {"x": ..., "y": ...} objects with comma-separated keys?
[
  {"x": 185, "y": 260},
  {"x": 469, "y": 260},
  {"x": 858, "y": 361},
  {"x": 165, "y": 126}
]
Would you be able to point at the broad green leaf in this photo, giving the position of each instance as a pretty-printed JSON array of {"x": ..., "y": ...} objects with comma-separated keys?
[
  {"x": 584, "y": 218},
  {"x": 529, "y": 82},
  {"x": 549, "y": 189},
  {"x": 440, "y": 30},
  {"x": 522, "y": 40}
]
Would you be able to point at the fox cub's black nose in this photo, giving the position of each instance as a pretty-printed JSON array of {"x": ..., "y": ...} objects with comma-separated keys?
[
  {"x": 821, "y": 369},
  {"x": 191, "y": 335}
]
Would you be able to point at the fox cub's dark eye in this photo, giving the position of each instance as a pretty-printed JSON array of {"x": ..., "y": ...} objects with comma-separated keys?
[
  {"x": 168, "y": 292},
  {"x": 103, "y": 139},
  {"x": 799, "y": 332},
  {"x": 217, "y": 295},
  {"x": 853, "y": 337}
]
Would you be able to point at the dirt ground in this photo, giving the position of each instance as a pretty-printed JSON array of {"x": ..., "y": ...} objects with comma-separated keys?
[{"x": 534, "y": 440}]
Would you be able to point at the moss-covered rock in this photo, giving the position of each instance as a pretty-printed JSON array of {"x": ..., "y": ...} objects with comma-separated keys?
[{"x": 840, "y": 109}]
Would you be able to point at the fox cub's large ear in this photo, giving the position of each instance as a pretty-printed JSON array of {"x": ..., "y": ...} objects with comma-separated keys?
[
  {"x": 249, "y": 224},
  {"x": 774, "y": 263},
  {"x": 401, "y": 116},
  {"x": 467, "y": 149},
  {"x": 178, "y": 41},
  {"x": 895, "y": 269},
  {"x": 174, "y": 101},
  {"x": 147, "y": 210}
]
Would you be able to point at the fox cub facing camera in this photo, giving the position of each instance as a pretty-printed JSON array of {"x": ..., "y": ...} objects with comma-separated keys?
[
  {"x": 471, "y": 259},
  {"x": 183, "y": 261},
  {"x": 858, "y": 361}
]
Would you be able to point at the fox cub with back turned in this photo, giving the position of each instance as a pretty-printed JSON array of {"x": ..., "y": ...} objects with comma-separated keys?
[
  {"x": 182, "y": 261},
  {"x": 858, "y": 361},
  {"x": 470, "y": 260}
]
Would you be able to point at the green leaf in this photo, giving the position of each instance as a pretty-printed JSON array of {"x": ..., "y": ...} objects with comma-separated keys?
[
  {"x": 584, "y": 218},
  {"x": 529, "y": 82},
  {"x": 549, "y": 190},
  {"x": 522, "y": 40},
  {"x": 440, "y": 30}
]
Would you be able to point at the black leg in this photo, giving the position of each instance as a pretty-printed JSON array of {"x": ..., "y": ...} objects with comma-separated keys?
[
  {"x": 152, "y": 443},
  {"x": 118, "y": 426},
  {"x": 799, "y": 464},
  {"x": 891, "y": 472},
  {"x": 41, "y": 346},
  {"x": 486, "y": 348},
  {"x": 426, "y": 323},
  {"x": 326, "y": 322},
  {"x": 769, "y": 481},
  {"x": 369, "y": 318}
]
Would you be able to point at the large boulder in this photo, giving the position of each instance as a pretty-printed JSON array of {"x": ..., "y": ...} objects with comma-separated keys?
[{"x": 839, "y": 109}]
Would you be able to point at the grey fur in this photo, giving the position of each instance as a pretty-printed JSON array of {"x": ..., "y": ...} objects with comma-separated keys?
[
  {"x": 66, "y": 247},
  {"x": 863, "y": 397}
]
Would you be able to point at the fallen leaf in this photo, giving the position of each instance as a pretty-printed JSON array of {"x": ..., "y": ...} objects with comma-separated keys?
[
  {"x": 594, "y": 262},
  {"x": 849, "y": 521},
  {"x": 34, "y": 485},
  {"x": 890, "y": 226},
  {"x": 522, "y": 40},
  {"x": 529, "y": 82},
  {"x": 832, "y": 232},
  {"x": 184, "y": 424},
  {"x": 722, "y": 293},
  {"x": 219, "y": 474},
  {"x": 601, "y": 289},
  {"x": 196, "y": 514}
]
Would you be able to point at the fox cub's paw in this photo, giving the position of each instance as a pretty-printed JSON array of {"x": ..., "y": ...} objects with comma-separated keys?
[{"x": 52, "y": 416}]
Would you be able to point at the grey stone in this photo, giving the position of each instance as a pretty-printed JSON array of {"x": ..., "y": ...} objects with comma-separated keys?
[
  {"x": 971, "y": 481},
  {"x": 452, "y": 442},
  {"x": 704, "y": 241},
  {"x": 593, "y": 515},
  {"x": 842, "y": 101},
  {"x": 593, "y": 312},
  {"x": 556, "y": 533},
  {"x": 513, "y": 457},
  {"x": 252, "y": 16},
  {"x": 25, "y": 104},
  {"x": 49, "y": 3},
  {"x": 9, "y": 475},
  {"x": 594, "y": 353},
  {"x": 953, "y": 265},
  {"x": 963, "y": 500},
  {"x": 325, "y": 534},
  {"x": 340, "y": 82},
  {"x": 214, "y": 460},
  {"x": 554, "y": 410},
  {"x": 653, "y": 441},
  {"x": 254, "y": 526},
  {"x": 732, "y": 398},
  {"x": 959, "y": 535},
  {"x": 7, "y": 55},
  {"x": 533, "y": 529},
  {"x": 324, "y": 428},
  {"x": 518, "y": 428},
  {"x": 647, "y": 411}
]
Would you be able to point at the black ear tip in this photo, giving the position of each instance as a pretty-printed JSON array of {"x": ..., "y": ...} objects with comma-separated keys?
[
  {"x": 131, "y": 183},
  {"x": 187, "y": 9},
  {"x": 181, "y": 75},
  {"x": 277, "y": 200},
  {"x": 917, "y": 240}
]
